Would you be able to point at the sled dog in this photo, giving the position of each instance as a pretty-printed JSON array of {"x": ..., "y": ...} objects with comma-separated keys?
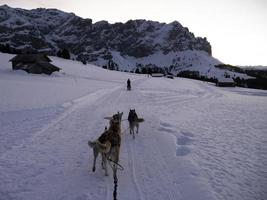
[
  {"x": 108, "y": 144},
  {"x": 134, "y": 122}
]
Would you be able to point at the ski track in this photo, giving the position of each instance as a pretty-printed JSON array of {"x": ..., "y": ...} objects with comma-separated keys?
[
  {"x": 146, "y": 159},
  {"x": 123, "y": 101},
  {"x": 47, "y": 137},
  {"x": 131, "y": 165},
  {"x": 130, "y": 144},
  {"x": 75, "y": 104}
]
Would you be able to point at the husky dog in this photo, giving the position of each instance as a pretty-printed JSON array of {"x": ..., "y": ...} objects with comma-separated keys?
[
  {"x": 108, "y": 144},
  {"x": 134, "y": 122}
]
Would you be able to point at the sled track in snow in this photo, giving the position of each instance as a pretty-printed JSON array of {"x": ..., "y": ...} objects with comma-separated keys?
[
  {"x": 56, "y": 159},
  {"x": 176, "y": 98},
  {"x": 145, "y": 174},
  {"x": 75, "y": 104},
  {"x": 131, "y": 164}
]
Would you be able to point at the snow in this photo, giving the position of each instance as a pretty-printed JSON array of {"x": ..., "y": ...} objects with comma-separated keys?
[
  {"x": 184, "y": 60},
  {"x": 254, "y": 67},
  {"x": 225, "y": 80},
  {"x": 198, "y": 141}
]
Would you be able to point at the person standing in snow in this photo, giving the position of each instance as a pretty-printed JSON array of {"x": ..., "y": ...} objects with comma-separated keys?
[{"x": 128, "y": 84}]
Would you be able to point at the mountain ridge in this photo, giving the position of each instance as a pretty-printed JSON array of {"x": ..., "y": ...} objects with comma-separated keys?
[{"x": 124, "y": 45}]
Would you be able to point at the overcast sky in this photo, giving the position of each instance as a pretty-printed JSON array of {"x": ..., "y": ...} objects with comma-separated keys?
[{"x": 236, "y": 29}]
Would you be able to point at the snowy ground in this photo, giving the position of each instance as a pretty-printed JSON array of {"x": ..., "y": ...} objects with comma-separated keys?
[{"x": 197, "y": 142}]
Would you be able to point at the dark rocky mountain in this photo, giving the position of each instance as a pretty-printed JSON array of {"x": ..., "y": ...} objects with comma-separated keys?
[{"x": 48, "y": 30}]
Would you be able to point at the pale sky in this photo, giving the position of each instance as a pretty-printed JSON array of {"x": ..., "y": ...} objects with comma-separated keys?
[{"x": 236, "y": 29}]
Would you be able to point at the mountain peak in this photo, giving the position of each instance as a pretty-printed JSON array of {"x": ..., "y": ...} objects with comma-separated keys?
[{"x": 4, "y": 6}]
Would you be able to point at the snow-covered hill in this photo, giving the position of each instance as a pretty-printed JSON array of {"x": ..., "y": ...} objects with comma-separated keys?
[{"x": 198, "y": 141}]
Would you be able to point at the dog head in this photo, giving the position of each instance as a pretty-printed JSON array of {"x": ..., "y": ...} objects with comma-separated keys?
[
  {"x": 132, "y": 114},
  {"x": 116, "y": 118},
  {"x": 132, "y": 111},
  {"x": 115, "y": 122}
]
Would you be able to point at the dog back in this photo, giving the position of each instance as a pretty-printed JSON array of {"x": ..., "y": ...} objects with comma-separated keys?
[{"x": 112, "y": 134}]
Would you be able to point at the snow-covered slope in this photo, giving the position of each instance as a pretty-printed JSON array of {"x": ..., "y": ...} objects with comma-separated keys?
[
  {"x": 198, "y": 142},
  {"x": 51, "y": 90}
]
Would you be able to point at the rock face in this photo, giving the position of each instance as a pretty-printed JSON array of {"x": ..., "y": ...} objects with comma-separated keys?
[{"x": 49, "y": 30}]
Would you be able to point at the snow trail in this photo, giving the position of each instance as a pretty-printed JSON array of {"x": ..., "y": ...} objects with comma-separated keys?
[
  {"x": 198, "y": 142},
  {"x": 73, "y": 105},
  {"x": 51, "y": 154}
]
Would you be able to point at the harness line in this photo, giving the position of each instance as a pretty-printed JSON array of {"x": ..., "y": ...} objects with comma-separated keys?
[
  {"x": 115, "y": 184},
  {"x": 114, "y": 168},
  {"x": 125, "y": 130}
]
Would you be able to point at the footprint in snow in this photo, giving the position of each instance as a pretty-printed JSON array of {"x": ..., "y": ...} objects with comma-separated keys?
[
  {"x": 164, "y": 124},
  {"x": 169, "y": 128},
  {"x": 182, "y": 151},
  {"x": 182, "y": 140},
  {"x": 188, "y": 134}
]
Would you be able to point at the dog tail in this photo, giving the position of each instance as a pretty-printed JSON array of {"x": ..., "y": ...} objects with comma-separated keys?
[
  {"x": 103, "y": 147},
  {"x": 140, "y": 120}
]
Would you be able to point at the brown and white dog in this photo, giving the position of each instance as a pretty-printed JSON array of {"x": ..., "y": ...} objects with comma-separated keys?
[{"x": 108, "y": 144}]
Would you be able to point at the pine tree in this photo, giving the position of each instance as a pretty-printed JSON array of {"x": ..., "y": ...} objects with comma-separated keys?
[
  {"x": 7, "y": 48},
  {"x": 65, "y": 54},
  {"x": 137, "y": 71},
  {"x": 59, "y": 54}
]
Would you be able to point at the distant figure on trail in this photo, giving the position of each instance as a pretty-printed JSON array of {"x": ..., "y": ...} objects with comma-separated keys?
[{"x": 128, "y": 84}]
